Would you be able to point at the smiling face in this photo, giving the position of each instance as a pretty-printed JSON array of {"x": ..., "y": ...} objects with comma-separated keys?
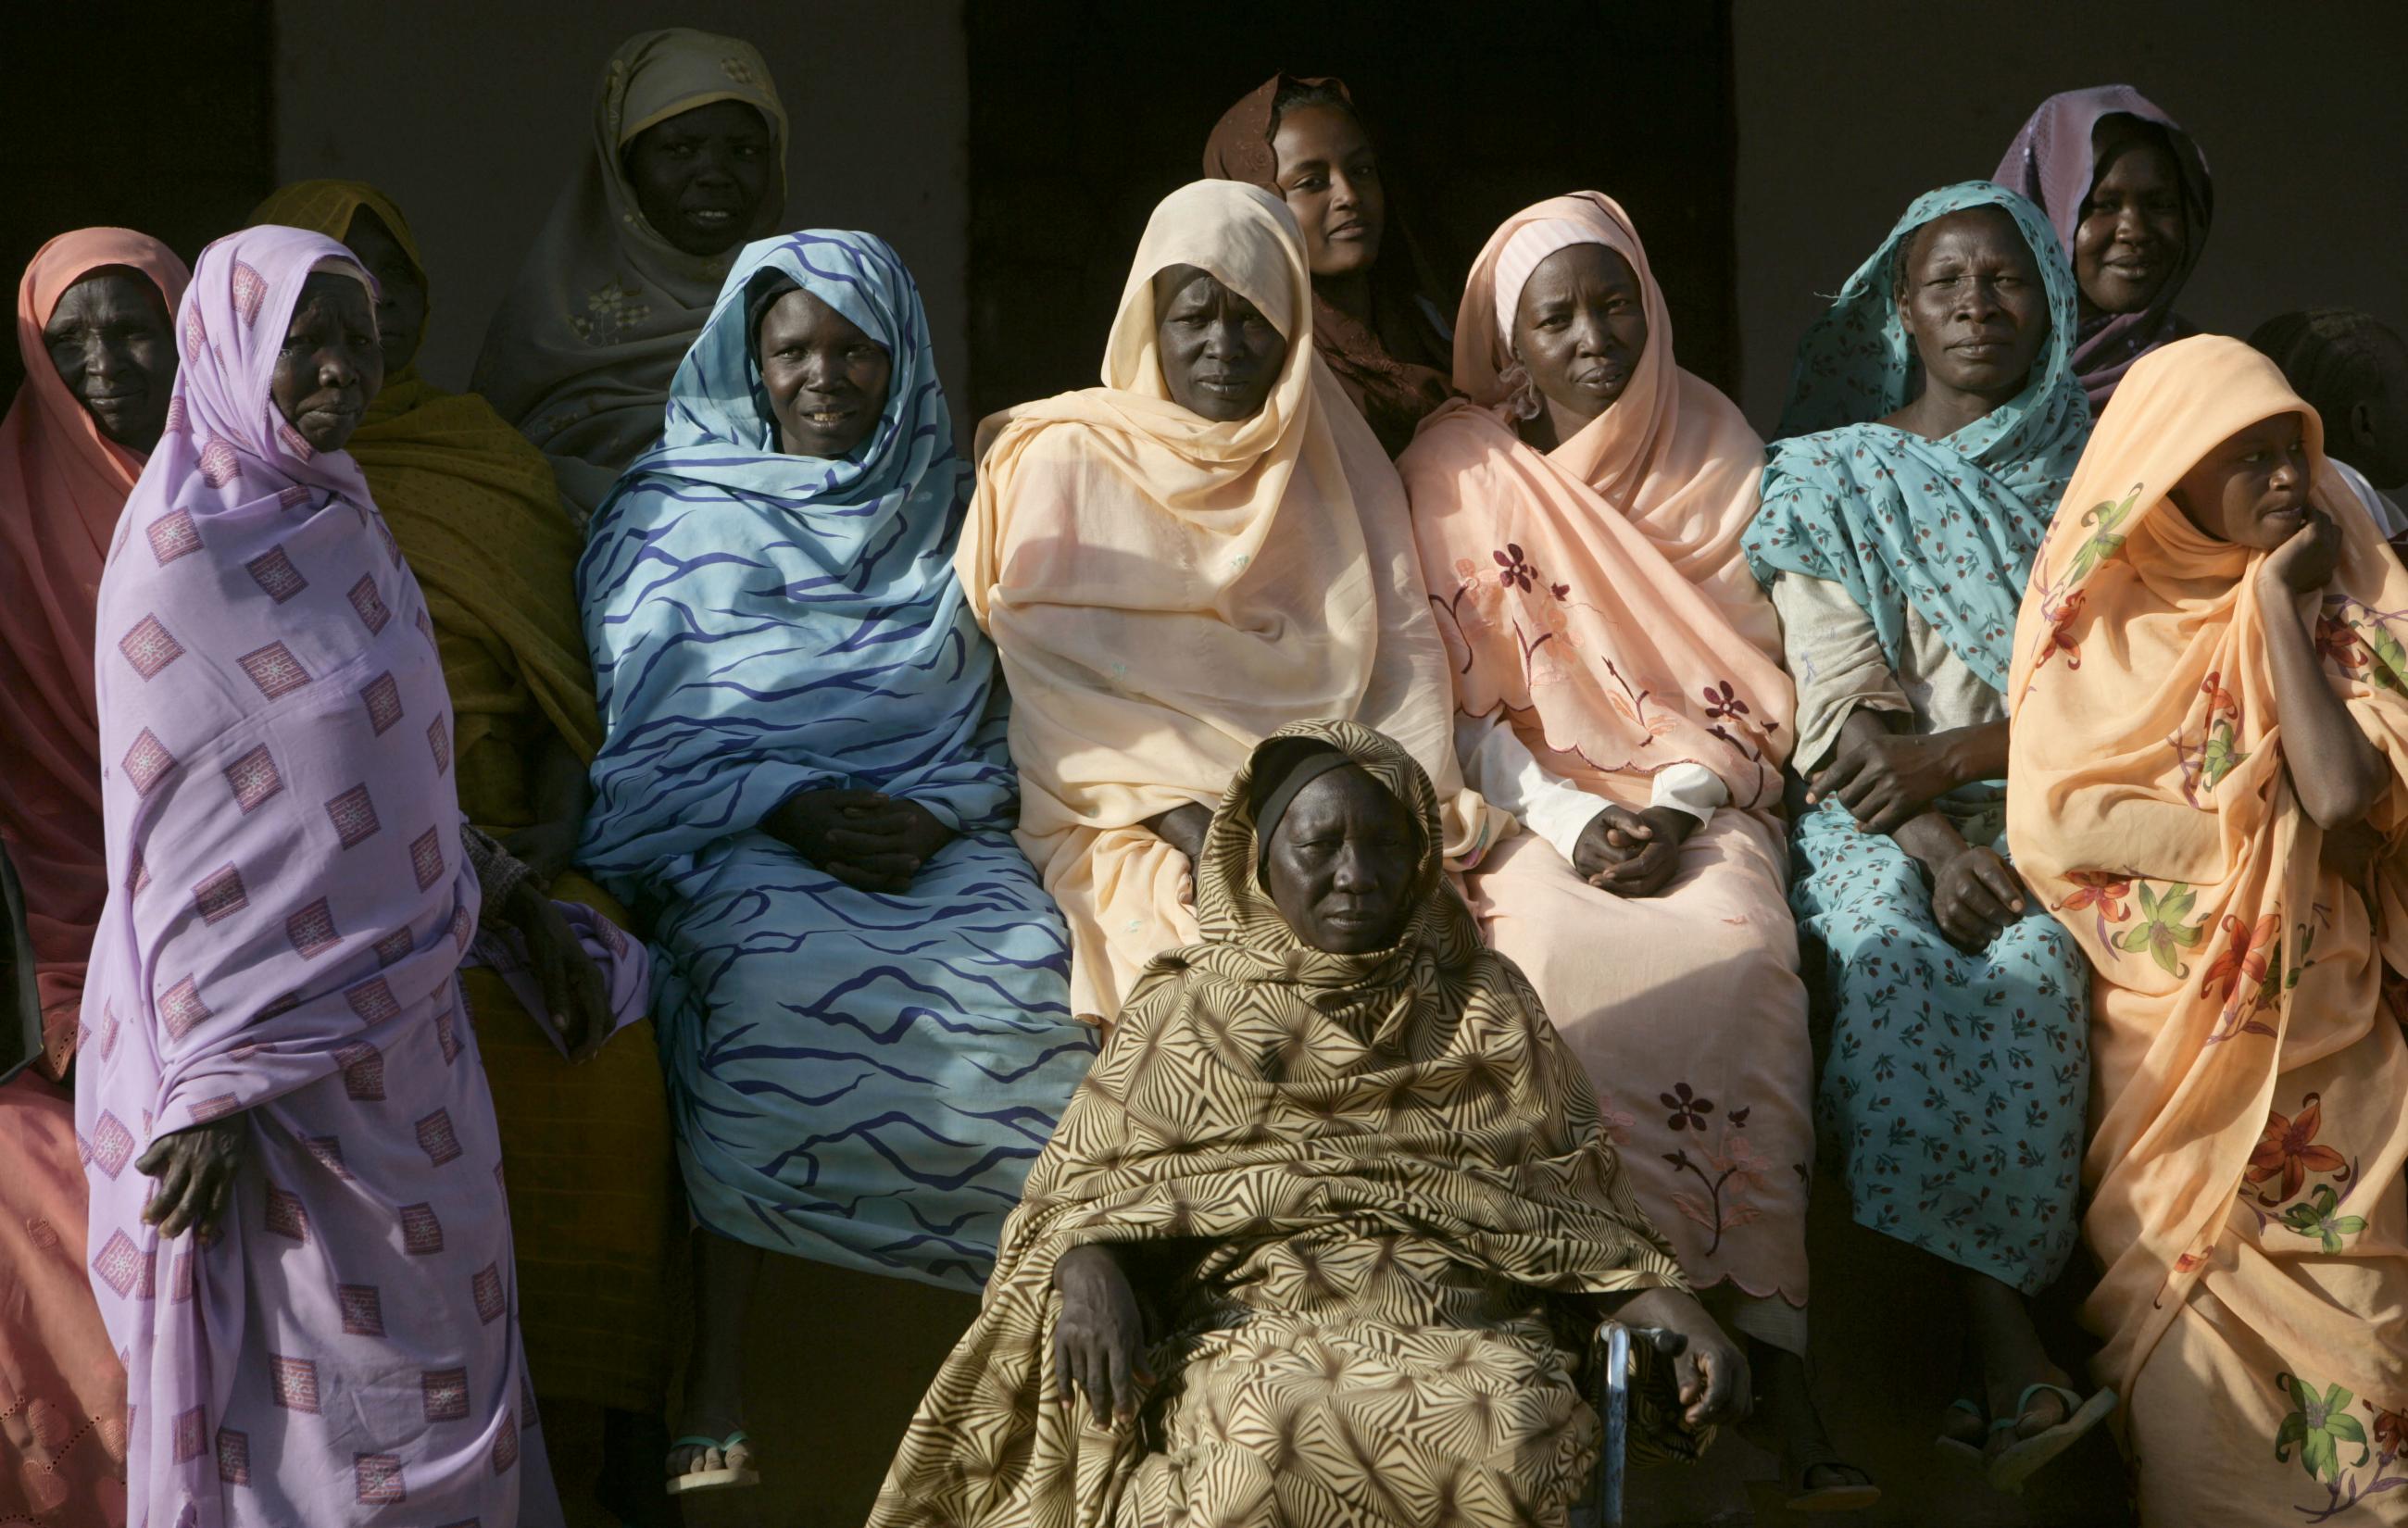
[
  {"x": 700, "y": 178},
  {"x": 1341, "y": 864},
  {"x": 1330, "y": 177},
  {"x": 1969, "y": 293},
  {"x": 114, "y": 347},
  {"x": 2252, "y": 490},
  {"x": 401, "y": 300},
  {"x": 331, "y": 363},
  {"x": 2133, "y": 231},
  {"x": 1219, "y": 356},
  {"x": 1579, "y": 329},
  {"x": 826, "y": 380}
]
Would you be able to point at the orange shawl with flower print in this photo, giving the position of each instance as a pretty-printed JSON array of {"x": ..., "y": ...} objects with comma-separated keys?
[{"x": 2248, "y": 1074}]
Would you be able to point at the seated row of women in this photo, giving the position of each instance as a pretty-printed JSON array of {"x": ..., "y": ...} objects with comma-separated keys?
[{"x": 907, "y": 774}]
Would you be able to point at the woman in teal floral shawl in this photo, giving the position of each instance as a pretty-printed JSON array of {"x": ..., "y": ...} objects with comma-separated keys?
[{"x": 1946, "y": 417}]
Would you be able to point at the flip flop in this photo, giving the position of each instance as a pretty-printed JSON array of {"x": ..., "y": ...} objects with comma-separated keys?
[
  {"x": 1961, "y": 1449},
  {"x": 2011, "y": 1466},
  {"x": 1847, "y": 1496},
  {"x": 734, "y": 1451}
]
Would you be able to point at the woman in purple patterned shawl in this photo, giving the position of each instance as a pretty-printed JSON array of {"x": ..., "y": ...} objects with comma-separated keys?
[
  {"x": 2127, "y": 193},
  {"x": 299, "y": 1237}
]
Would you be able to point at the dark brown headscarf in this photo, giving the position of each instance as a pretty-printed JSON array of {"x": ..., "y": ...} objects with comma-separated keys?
[{"x": 1394, "y": 368}]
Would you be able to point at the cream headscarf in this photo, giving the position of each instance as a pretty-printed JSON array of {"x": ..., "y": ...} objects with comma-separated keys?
[
  {"x": 581, "y": 353},
  {"x": 1167, "y": 592}
]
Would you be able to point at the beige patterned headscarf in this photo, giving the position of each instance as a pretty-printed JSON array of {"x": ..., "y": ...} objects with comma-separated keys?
[{"x": 581, "y": 353}]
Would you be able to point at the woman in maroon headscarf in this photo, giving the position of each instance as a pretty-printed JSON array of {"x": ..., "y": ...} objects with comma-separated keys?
[
  {"x": 2128, "y": 194},
  {"x": 1375, "y": 328}
]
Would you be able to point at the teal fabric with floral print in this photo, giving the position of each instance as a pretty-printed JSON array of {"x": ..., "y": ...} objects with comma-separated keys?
[{"x": 1948, "y": 526}]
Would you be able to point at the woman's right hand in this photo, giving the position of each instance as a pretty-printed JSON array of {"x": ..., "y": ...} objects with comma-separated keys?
[
  {"x": 2306, "y": 561},
  {"x": 1183, "y": 829},
  {"x": 1975, "y": 896},
  {"x": 1099, "y": 1338},
  {"x": 195, "y": 1168}
]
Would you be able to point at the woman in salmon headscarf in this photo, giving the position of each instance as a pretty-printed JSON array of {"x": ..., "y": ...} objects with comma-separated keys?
[
  {"x": 1619, "y": 686},
  {"x": 98, "y": 345},
  {"x": 2210, "y": 786},
  {"x": 1176, "y": 564},
  {"x": 1376, "y": 329},
  {"x": 473, "y": 506}
]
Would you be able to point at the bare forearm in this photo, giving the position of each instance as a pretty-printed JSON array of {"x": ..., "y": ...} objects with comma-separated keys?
[
  {"x": 2334, "y": 770},
  {"x": 1183, "y": 828},
  {"x": 1932, "y": 840},
  {"x": 1977, "y": 752}
]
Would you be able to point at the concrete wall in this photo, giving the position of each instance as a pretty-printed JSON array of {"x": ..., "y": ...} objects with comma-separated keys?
[
  {"x": 2300, "y": 112},
  {"x": 473, "y": 115}
]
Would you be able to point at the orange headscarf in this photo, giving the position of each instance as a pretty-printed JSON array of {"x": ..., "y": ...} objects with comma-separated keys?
[
  {"x": 61, "y": 484},
  {"x": 1596, "y": 592},
  {"x": 2246, "y": 1077}
]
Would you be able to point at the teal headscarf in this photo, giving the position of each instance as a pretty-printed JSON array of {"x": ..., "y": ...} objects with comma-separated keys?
[{"x": 1947, "y": 527}]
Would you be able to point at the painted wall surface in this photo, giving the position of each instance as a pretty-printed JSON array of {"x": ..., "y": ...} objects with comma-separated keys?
[
  {"x": 1847, "y": 112},
  {"x": 472, "y": 116}
]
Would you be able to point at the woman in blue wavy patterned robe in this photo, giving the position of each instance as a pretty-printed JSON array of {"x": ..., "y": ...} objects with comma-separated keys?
[{"x": 805, "y": 790}]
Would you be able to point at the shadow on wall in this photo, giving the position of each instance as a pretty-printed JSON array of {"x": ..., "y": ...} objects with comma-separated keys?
[
  {"x": 1083, "y": 115},
  {"x": 166, "y": 126}
]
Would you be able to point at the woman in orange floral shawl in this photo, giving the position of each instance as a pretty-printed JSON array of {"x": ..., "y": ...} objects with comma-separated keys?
[{"x": 2210, "y": 787}]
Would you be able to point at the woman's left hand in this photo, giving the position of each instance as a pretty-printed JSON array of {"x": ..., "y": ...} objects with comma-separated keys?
[
  {"x": 882, "y": 849},
  {"x": 1710, "y": 1371},
  {"x": 574, "y": 991},
  {"x": 1887, "y": 780},
  {"x": 195, "y": 1168}
]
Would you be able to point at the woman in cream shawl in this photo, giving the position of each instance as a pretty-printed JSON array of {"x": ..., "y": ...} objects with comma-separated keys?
[
  {"x": 1167, "y": 591},
  {"x": 1617, "y": 670},
  {"x": 581, "y": 353},
  {"x": 2210, "y": 645}
]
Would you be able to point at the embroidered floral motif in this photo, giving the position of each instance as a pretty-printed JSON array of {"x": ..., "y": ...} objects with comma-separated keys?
[
  {"x": 2318, "y": 1426},
  {"x": 610, "y": 311},
  {"x": 2288, "y": 1148},
  {"x": 1689, "y": 1112},
  {"x": 2315, "y": 1217},
  {"x": 2162, "y": 930},
  {"x": 2104, "y": 889},
  {"x": 2248, "y": 975}
]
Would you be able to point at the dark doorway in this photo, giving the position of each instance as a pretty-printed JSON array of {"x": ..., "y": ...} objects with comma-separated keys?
[
  {"x": 1084, "y": 113},
  {"x": 156, "y": 119}
]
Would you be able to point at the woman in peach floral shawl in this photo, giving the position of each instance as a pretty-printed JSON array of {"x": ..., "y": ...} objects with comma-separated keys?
[{"x": 2210, "y": 787}]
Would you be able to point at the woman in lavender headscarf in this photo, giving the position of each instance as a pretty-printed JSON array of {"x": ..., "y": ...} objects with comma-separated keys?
[
  {"x": 2127, "y": 193},
  {"x": 307, "y": 1265}
]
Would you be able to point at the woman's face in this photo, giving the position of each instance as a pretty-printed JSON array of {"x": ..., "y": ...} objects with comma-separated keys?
[
  {"x": 1580, "y": 329},
  {"x": 701, "y": 176},
  {"x": 1330, "y": 177},
  {"x": 331, "y": 363},
  {"x": 1219, "y": 356},
  {"x": 2252, "y": 490},
  {"x": 2132, "y": 234},
  {"x": 115, "y": 348},
  {"x": 401, "y": 300},
  {"x": 826, "y": 379},
  {"x": 1970, "y": 296},
  {"x": 1340, "y": 864}
]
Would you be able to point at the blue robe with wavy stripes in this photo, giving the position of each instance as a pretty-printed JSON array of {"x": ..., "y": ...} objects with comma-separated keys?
[{"x": 857, "y": 1078}]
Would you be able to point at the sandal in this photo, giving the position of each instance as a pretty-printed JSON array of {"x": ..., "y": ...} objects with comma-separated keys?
[
  {"x": 1961, "y": 1448},
  {"x": 1845, "y": 1496},
  {"x": 734, "y": 1467},
  {"x": 2011, "y": 1464}
]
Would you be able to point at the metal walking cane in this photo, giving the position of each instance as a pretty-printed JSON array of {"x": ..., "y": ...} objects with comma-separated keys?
[{"x": 1611, "y": 1357}]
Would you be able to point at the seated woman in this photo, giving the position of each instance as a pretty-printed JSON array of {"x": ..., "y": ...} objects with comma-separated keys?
[
  {"x": 2210, "y": 775},
  {"x": 298, "y": 1236},
  {"x": 2353, "y": 369},
  {"x": 97, "y": 336},
  {"x": 804, "y": 786},
  {"x": 1618, "y": 687},
  {"x": 689, "y": 163},
  {"x": 1380, "y": 336},
  {"x": 470, "y": 502},
  {"x": 2128, "y": 192},
  {"x": 1331, "y": 1224},
  {"x": 1894, "y": 541},
  {"x": 1180, "y": 563}
]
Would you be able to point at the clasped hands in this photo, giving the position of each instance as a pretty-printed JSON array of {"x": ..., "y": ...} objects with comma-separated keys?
[
  {"x": 866, "y": 839},
  {"x": 1887, "y": 783}
]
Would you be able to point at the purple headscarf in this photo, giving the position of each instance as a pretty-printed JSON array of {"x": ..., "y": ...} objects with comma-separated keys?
[
  {"x": 2053, "y": 162},
  {"x": 288, "y": 905}
]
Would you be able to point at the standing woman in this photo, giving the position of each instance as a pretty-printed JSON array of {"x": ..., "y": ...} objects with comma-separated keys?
[
  {"x": 689, "y": 163},
  {"x": 298, "y": 1233},
  {"x": 1174, "y": 565},
  {"x": 470, "y": 502},
  {"x": 2127, "y": 193},
  {"x": 1374, "y": 322},
  {"x": 805, "y": 788},
  {"x": 95, "y": 331},
  {"x": 1894, "y": 541},
  {"x": 2210, "y": 780},
  {"x": 1618, "y": 687}
]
